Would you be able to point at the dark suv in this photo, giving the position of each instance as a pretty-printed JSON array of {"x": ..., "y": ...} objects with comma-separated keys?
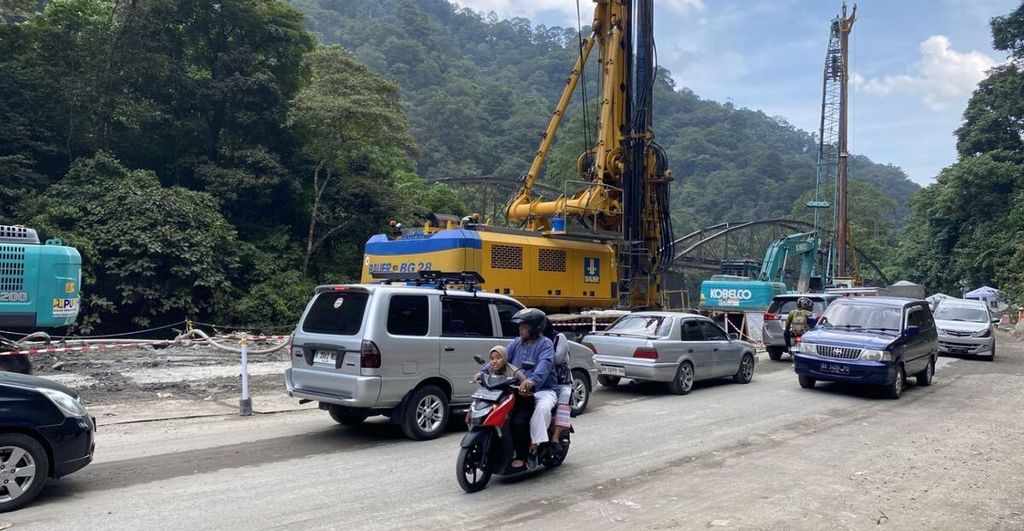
[
  {"x": 870, "y": 340},
  {"x": 45, "y": 432},
  {"x": 775, "y": 319}
]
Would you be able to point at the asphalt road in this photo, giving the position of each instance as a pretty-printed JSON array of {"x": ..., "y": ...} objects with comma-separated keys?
[{"x": 768, "y": 455}]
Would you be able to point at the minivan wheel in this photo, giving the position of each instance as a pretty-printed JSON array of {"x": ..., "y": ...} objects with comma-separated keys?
[
  {"x": 24, "y": 468},
  {"x": 345, "y": 416},
  {"x": 746, "y": 371},
  {"x": 580, "y": 392},
  {"x": 683, "y": 382},
  {"x": 924, "y": 378},
  {"x": 426, "y": 414},
  {"x": 775, "y": 353},
  {"x": 608, "y": 381},
  {"x": 895, "y": 389}
]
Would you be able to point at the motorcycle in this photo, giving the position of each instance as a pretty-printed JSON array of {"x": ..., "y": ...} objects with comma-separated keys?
[{"x": 496, "y": 421}]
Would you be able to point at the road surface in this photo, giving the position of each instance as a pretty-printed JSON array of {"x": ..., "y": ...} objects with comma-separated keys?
[{"x": 768, "y": 455}]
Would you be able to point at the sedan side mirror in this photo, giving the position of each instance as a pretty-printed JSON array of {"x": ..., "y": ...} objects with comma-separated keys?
[
  {"x": 913, "y": 330},
  {"x": 478, "y": 359},
  {"x": 734, "y": 336},
  {"x": 995, "y": 320}
]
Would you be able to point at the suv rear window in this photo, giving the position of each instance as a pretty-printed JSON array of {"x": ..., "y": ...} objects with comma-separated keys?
[
  {"x": 338, "y": 313},
  {"x": 784, "y": 306},
  {"x": 408, "y": 315},
  {"x": 464, "y": 317}
]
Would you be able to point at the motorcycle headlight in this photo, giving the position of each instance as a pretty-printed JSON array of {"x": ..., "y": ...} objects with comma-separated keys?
[
  {"x": 876, "y": 355},
  {"x": 67, "y": 404},
  {"x": 983, "y": 333}
]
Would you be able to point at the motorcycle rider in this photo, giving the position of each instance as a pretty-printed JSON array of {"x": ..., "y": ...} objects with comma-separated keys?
[
  {"x": 798, "y": 321},
  {"x": 531, "y": 346}
]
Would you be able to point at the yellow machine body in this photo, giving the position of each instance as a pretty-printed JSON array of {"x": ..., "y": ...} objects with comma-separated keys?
[{"x": 541, "y": 271}]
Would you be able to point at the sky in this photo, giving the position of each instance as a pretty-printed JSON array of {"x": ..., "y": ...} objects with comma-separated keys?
[{"x": 913, "y": 63}]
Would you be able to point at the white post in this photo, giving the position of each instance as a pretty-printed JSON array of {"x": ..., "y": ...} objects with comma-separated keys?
[{"x": 245, "y": 404}]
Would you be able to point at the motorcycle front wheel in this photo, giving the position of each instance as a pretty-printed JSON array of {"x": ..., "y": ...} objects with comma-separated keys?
[{"x": 467, "y": 469}]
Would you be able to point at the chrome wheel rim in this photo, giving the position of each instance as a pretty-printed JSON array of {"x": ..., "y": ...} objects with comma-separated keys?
[
  {"x": 686, "y": 377},
  {"x": 747, "y": 368},
  {"x": 17, "y": 472},
  {"x": 429, "y": 413},
  {"x": 898, "y": 385},
  {"x": 579, "y": 392}
]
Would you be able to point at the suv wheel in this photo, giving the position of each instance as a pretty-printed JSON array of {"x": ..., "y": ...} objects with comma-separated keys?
[
  {"x": 806, "y": 381},
  {"x": 345, "y": 416},
  {"x": 426, "y": 414},
  {"x": 24, "y": 468},
  {"x": 683, "y": 382},
  {"x": 895, "y": 389},
  {"x": 608, "y": 381},
  {"x": 775, "y": 353},
  {"x": 580, "y": 392},
  {"x": 924, "y": 378}
]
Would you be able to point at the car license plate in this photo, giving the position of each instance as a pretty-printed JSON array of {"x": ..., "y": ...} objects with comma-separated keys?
[
  {"x": 614, "y": 371},
  {"x": 958, "y": 350},
  {"x": 326, "y": 357},
  {"x": 835, "y": 368},
  {"x": 487, "y": 394}
]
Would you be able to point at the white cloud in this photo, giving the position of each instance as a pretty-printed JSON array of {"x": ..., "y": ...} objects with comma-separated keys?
[{"x": 943, "y": 78}]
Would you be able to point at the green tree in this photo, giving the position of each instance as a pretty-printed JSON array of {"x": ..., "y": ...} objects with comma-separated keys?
[
  {"x": 149, "y": 252},
  {"x": 350, "y": 122}
]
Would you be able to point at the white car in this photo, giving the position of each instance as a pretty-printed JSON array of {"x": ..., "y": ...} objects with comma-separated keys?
[{"x": 965, "y": 327}]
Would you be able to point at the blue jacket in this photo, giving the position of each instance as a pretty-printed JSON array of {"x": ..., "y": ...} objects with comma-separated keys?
[{"x": 541, "y": 352}]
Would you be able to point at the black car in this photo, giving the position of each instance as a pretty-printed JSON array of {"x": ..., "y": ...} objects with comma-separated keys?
[{"x": 45, "y": 433}]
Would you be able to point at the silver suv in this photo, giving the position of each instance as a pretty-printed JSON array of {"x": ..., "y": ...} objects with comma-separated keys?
[
  {"x": 775, "y": 319},
  {"x": 965, "y": 327},
  {"x": 405, "y": 352}
]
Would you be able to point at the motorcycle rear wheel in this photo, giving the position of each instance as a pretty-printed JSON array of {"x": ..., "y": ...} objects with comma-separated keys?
[{"x": 467, "y": 471}]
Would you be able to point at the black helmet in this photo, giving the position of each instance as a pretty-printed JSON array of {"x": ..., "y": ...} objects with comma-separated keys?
[
  {"x": 533, "y": 317},
  {"x": 804, "y": 303}
]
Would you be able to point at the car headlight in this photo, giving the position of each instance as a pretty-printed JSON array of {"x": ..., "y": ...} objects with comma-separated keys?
[
  {"x": 67, "y": 404},
  {"x": 983, "y": 333},
  {"x": 876, "y": 355},
  {"x": 806, "y": 348}
]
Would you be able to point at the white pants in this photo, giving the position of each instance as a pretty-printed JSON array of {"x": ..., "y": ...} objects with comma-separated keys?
[{"x": 544, "y": 401}]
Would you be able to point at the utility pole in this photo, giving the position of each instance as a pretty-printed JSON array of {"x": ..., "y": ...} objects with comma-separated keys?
[{"x": 845, "y": 26}]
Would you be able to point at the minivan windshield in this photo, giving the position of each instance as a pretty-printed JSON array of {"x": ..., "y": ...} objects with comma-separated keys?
[
  {"x": 647, "y": 325},
  {"x": 854, "y": 316},
  {"x": 336, "y": 312},
  {"x": 961, "y": 313}
]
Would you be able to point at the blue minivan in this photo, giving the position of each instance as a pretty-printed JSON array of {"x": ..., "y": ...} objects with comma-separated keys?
[{"x": 872, "y": 341}]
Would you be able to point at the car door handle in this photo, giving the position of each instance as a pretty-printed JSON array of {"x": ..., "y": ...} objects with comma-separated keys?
[
  {"x": 716, "y": 350},
  {"x": 449, "y": 349},
  {"x": 690, "y": 351}
]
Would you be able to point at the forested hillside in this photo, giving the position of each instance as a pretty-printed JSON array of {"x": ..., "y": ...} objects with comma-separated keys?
[
  {"x": 217, "y": 163},
  {"x": 478, "y": 91}
]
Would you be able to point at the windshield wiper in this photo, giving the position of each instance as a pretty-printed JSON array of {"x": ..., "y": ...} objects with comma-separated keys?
[
  {"x": 849, "y": 326},
  {"x": 884, "y": 329}
]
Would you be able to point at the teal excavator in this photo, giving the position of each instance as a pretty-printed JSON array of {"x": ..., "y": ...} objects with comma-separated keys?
[
  {"x": 739, "y": 294},
  {"x": 39, "y": 287}
]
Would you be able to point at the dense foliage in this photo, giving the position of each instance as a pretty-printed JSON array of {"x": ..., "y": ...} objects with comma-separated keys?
[
  {"x": 217, "y": 162},
  {"x": 967, "y": 229}
]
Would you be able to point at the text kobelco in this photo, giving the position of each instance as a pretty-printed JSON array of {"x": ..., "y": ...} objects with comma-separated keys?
[{"x": 719, "y": 293}]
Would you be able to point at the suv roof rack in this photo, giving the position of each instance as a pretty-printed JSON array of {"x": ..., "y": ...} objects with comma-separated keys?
[{"x": 439, "y": 279}]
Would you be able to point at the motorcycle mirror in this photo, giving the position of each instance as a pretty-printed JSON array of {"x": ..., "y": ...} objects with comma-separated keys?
[
  {"x": 478, "y": 359},
  {"x": 528, "y": 365}
]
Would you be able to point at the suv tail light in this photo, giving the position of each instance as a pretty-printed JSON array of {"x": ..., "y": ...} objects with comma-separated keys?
[
  {"x": 646, "y": 353},
  {"x": 772, "y": 317},
  {"x": 369, "y": 355},
  {"x": 591, "y": 347}
]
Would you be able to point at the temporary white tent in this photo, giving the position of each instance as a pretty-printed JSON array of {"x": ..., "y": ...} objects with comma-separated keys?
[
  {"x": 990, "y": 295},
  {"x": 934, "y": 300}
]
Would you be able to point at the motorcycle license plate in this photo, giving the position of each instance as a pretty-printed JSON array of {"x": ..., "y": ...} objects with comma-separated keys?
[
  {"x": 613, "y": 371},
  {"x": 835, "y": 368},
  {"x": 487, "y": 394},
  {"x": 326, "y": 357}
]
